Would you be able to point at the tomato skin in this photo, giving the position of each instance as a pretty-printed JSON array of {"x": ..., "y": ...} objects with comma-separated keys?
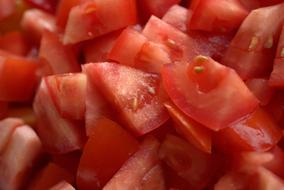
[
  {"x": 63, "y": 10},
  {"x": 194, "y": 132},
  {"x": 189, "y": 90},
  {"x": 18, "y": 79},
  {"x": 107, "y": 141},
  {"x": 254, "y": 132},
  {"x": 133, "y": 93},
  {"x": 217, "y": 16},
  {"x": 261, "y": 89}
]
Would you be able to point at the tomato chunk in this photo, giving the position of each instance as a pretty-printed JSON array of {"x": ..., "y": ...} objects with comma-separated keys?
[
  {"x": 7, "y": 8},
  {"x": 198, "y": 90},
  {"x": 46, "y": 5},
  {"x": 252, "y": 49},
  {"x": 62, "y": 186},
  {"x": 17, "y": 79},
  {"x": 60, "y": 58},
  {"x": 217, "y": 16},
  {"x": 108, "y": 147},
  {"x": 134, "y": 93},
  {"x": 96, "y": 18},
  {"x": 194, "y": 132},
  {"x": 61, "y": 87},
  {"x": 255, "y": 132},
  {"x": 14, "y": 167},
  {"x": 58, "y": 135},
  {"x": 136, "y": 167}
]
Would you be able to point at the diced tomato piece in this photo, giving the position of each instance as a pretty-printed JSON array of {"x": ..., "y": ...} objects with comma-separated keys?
[
  {"x": 7, "y": 8},
  {"x": 275, "y": 164},
  {"x": 261, "y": 89},
  {"x": 127, "y": 46},
  {"x": 276, "y": 107},
  {"x": 49, "y": 176},
  {"x": 108, "y": 147},
  {"x": 35, "y": 22},
  {"x": 194, "y": 132},
  {"x": 97, "y": 50},
  {"x": 252, "y": 49},
  {"x": 217, "y": 15},
  {"x": 158, "y": 7},
  {"x": 97, "y": 18},
  {"x": 62, "y": 186},
  {"x": 59, "y": 57},
  {"x": 136, "y": 167},
  {"x": 14, "y": 167},
  {"x": 69, "y": 162},
  {"x": 198, "y": 89},
  {"x": 46, "y": 5},
  {"x": 188, "y": 162},
  {"x": 18, "y": 78},
  {"x": 7, "y": 127},
  {"x": 3, "y": 109},
  {"x": 177, "y": 16},
  {"x": 68, "y": 92},
  {"x": 250, "y": 4},
  {"x": 63, "y": 9},
  {"x": 134, "y": 93},
  {"x": 58, "y": 135},
  {"x": 254, "y": 132},
  {"x": 15, "y": 42}
]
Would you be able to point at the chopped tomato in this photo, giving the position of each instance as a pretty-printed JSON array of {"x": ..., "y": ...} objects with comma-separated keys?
[
  {"x": 252, "y": 49},
  {"x": 7, "y": 8},
  {"x": 60, "y": 58},
  {"x": 177, "y": 16},
  {"x": 61, "y": 87},
  {"x": 35, "y": 22},
  {"x": 69, "y": 162},
  {"x": 137, "y": 167},
  {"x": 17, "y": 78},
  {"x": 254, "y": 132},
  {"x": 97, "y": 50},
  {"x": 154, "y": 179},
  {"x": 97, "y": 18},
  {"x": 108, "y": 147},
  {"x": 208, "y": 92},
  {"x": 134, "y": 93},
  {"x": 261, "y": 89},
  {"x": 188, "y": 162},
  {"x": 194, "y": 132},
  {"x": 7, "y": 128},
  {"x": 58, "y": 135},
  {"x": 217, "y": 16},
  {"x": 15, "y": 42},
  {"x": 14, "y": 167},
  {"x": 49, "y": 176},
  {"x": 63, "y": 9},
  {"x": 3, "y": 109}
]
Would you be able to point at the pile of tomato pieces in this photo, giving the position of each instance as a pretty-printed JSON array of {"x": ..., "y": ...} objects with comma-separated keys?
[{"x": 141, "y": 94}]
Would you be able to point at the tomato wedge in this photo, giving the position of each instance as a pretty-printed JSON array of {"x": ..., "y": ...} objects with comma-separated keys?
[{"x": 198, "y": 90}]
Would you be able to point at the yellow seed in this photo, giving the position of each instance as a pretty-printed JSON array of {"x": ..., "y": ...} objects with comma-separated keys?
[
  {"x": 171, "y": 43},
  {"x": 253, "y": 43},
  {"x": 135, "y": 104},
  {"x": 269, "y": 43},
  {"x": 200, "y": 59},
  {"x": 90, "y": 9},
  {"x": 198, "y": 69}
]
